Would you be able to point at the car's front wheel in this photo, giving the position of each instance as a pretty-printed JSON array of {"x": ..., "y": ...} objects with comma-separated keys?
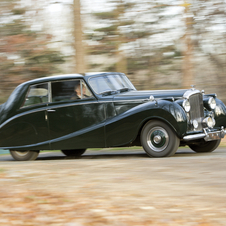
[
  {"x": 24, "y": 155},
  {"x": 74, "y": 152},
  {"x": 205, "y": 146},
  {"x": 158, "y": 139}
]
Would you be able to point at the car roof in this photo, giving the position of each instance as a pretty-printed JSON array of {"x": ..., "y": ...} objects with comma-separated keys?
[
  {"x": 66, "y": 77},
  {"x": 55, "y": 78}
]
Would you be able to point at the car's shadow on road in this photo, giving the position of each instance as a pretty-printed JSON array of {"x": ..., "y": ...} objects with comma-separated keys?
[
  {"x": 111, "y": 155},
  {"x": 140, "y": 154},
  {"x": 95, "y": 156}
]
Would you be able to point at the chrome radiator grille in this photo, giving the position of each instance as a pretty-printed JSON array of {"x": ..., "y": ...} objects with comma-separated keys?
[{"x": 197, "y": 111}]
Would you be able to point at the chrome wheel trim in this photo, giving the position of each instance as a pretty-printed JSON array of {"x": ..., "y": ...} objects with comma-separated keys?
[
  {"x": 157, "y": 139},
  {"x": 21, "y": 153}
]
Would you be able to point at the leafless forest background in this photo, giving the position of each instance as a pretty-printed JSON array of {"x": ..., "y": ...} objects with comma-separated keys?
[{"x": 159, "y": 44}]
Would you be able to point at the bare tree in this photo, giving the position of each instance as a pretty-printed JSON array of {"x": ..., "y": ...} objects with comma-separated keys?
[
  {"x": 187, "y": 68},
  {"x": 78, "y": 36}
]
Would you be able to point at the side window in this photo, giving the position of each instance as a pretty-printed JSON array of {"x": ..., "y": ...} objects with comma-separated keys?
[
  {"x": 37, "y": 94},
  {"x": 69, "y": 90},
  {"x": 85, "y": 91}
]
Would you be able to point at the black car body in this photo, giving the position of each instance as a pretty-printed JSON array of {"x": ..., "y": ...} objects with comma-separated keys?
[{"x": 49, "y": 114}]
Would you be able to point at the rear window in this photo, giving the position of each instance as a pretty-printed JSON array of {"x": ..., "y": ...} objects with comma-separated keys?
[{"x": 37, "y": 94}]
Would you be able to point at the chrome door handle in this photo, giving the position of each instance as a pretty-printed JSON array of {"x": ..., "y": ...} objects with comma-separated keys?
[{"x": 51, "y": 110}]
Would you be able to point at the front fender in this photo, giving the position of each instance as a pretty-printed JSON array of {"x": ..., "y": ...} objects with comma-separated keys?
[
  {"x": 124, "y": 128},
  {"x": 220, "y": 114},
  {"x": 172, "y": 114}
]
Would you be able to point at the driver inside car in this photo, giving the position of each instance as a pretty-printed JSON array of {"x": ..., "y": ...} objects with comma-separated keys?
[{"x": 77, "y": 92}]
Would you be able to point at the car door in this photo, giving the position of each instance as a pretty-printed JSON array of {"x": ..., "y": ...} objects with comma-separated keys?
[
  {"x": 28, "y": 128},
  {"x": 76, "y": 120}
]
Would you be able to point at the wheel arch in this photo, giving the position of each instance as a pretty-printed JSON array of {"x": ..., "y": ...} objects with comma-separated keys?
[
  {"x": 170, "y": 113},
  {"x": 157, "y": 118},
  {"x": 134, "y": 119}
]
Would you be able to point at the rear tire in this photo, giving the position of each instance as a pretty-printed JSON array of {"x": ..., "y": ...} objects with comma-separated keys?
[
  {"x": 206, "y": 146},
  {"x": 158, "y": 139},
  {"x": 74, "y": 152},
  {"x": 24, "y": 155}
]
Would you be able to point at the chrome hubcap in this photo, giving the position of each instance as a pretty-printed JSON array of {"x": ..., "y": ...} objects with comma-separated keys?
[{"x": 157, "y": 139}]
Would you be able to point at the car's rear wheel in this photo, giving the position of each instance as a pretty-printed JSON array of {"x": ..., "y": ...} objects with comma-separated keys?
[
  {"x": 158, "y": 139},
  {"x": 24, "y": 155},
  {"x": 205, "y": 146},
  {"x": 74, "y": 152}
]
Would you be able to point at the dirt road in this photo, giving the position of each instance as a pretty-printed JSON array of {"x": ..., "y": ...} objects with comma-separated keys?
[{"x": 122, "y": 188}]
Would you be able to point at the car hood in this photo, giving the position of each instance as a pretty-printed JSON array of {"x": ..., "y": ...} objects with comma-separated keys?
[{"x": 136, "y": 95}]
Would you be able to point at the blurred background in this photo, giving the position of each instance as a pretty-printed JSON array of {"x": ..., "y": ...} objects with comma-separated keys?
[{"x": 158, "y": 44}]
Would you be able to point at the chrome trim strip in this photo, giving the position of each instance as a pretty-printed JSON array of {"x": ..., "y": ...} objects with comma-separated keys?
[
  {"x": 132, "y": 100},
  {"x": 50, "y": 92},
  {"x": 72, "y": 104},
  {"x": 118, "y": 101},
  {"x": 137, "y": 100}
]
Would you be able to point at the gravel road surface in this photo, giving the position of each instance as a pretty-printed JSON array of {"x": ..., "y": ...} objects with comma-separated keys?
[{"x": 119, "y": 188}]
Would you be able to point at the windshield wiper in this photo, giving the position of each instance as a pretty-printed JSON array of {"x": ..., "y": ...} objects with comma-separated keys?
[
  {"x": 124, "y": 89},
  {"x": 108, "y": 92}
]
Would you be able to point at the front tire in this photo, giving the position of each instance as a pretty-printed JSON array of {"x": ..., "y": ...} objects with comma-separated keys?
[
  {"x": 74, "y": 152},
  {"x": 24, "y": 155},
  {"x": 158, "y": 139},
  {"x": 205, "y": 146}
]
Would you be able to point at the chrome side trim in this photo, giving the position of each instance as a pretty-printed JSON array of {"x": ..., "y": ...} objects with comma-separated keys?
[
  {"x": 50, "y": 92},
  {"x": 63, "y": 105},
  {"x": 123, "y": 101}
]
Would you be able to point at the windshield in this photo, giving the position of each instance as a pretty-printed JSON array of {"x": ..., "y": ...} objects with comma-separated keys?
[{"x": 110, "y": 82}]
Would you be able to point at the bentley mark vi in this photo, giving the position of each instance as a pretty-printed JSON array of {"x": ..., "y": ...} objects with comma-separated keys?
[{"x": 97, "y": 110}]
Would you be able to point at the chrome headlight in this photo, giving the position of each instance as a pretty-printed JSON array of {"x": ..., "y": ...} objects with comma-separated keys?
[
  {"x": 210, "y": 122},
  {"x": 212, "y": 103},
  {"x": 186, "y": 105}
]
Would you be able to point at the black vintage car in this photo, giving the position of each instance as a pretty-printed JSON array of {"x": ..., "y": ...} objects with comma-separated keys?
[{"x": 98, "y": 110}]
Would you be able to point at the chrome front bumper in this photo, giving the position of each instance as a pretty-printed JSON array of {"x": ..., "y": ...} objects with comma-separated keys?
[{"x": 207, "y": 135}]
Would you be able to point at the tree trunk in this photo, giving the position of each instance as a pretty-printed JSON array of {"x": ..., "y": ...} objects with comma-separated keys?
[
  {"x": 78, "y": 36},
  {"x": 121, "y": 65},
  {"x": 188, "y": 76}
]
